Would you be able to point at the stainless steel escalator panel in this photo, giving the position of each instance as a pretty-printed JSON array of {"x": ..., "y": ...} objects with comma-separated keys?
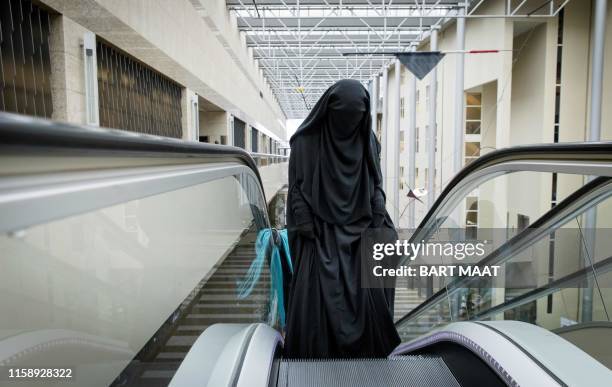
[
  {"x": 394, "y": 372},
  {"x": 520, "y": 353},
  {"x": 570, "y": 365},
  {"x": 216, "y": 358},
  {"x": 259, "y": 359}
]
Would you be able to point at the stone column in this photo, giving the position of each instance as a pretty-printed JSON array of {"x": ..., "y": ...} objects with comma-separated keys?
[
  {"x": 190, "y": 115},
  {"x": 67, "y": 70}
]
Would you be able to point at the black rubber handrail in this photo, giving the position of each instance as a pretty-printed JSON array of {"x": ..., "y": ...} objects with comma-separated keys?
[
  {"x": 566, "y": 151},
  {"x": 600, "y": 267},
  {"x": 553, "y": 213},
  {"x": 24, "y": 132}
]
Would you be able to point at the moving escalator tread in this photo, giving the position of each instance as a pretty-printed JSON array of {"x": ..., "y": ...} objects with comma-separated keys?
[{"x": 426, "y": 371}]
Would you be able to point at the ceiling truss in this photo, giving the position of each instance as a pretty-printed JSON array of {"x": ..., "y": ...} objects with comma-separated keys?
[{"x": 299, "y": 44}]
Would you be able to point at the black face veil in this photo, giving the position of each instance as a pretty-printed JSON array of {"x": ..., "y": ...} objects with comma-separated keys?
[{"x": 337, "y": 167}]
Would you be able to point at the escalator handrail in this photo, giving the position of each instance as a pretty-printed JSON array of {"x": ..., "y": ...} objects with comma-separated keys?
[
  {"x": 576, "y": 158},
  {"x": 125, "y": 166},
  {"x": 17, "y": 131},
  {"x": 570, "y": 151},
  {"x": 267, "y": 155},
  {"x": 600, "y": 267},
  {"x": 554, "y": 216}
]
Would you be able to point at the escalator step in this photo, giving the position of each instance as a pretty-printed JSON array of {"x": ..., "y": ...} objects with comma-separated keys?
[{"x": 399, "y": 371}]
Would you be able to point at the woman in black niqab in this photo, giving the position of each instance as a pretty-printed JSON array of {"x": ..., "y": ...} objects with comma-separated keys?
[{"x": 335, "y": 193}]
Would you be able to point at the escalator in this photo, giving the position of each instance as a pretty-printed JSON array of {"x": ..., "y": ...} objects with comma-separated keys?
[
  {"x": 122, "y": 252},
  {"x": 446, "y": 343}
]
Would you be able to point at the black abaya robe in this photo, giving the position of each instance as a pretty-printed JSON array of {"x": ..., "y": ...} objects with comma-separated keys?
[{"x": 334, "y": 195}]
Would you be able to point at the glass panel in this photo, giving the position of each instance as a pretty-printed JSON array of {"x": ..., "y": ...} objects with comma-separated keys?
[
  {"x": 581, "y": 292},
  {"x": 472, "y": 149},
  {"x": 472, "y": 113},
  {"x": 136, "y": 281},
  {"x": 471, "y": 218},
  {"x": 471, "y": 203},
  {"x": 472, "y": 127},
  {"x": 239, "y": 133},
  {"x": 473, "y": 99},
  {"x": 494, "y": 207}
]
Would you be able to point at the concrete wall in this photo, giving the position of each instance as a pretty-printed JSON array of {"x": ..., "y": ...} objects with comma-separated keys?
[
  {"x": 532, "y": 114},
  {"x": 224, "y": 26},
  {"x": 606, "y": 124},
  {"x": 390, "y": 142},
  {"x": 214, "y": 125},
  {"x": 67, "y": 70},
  {"x": 529, "y": 114},
  {"x": 173, "y": 38},
  {"x": 190, "y": 115},
  {"x": 273, "y": 177}
]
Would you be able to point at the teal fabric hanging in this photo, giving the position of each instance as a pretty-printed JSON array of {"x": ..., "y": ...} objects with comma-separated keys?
[{"x": 269, "y": 243}]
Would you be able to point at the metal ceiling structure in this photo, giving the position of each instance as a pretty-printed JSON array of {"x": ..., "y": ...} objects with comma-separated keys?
[{"x": 299, "y": 44}]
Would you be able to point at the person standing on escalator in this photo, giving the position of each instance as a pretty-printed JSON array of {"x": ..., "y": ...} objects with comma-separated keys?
[{"x": 335, "y": 193}]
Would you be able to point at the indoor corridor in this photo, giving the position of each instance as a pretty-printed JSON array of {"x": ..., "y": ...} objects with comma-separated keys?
[{"x": 147, "y": 149}]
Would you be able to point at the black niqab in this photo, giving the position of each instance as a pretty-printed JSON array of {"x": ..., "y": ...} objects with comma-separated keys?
[
  {"x": 335, "y": 193},
  {"x": 336, "y": 160}
]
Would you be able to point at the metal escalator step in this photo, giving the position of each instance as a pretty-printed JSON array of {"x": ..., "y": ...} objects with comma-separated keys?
[
  {"x": 211, "y": 308},
  {"x": 237, "y": 273},
  {"x": 191, "y": 327},
  {"x": 229, "y": 289},
  {"x": 181, "y": 341},
  {"x": 168, "y": 356},
  {"x": 263, "y": 283},
  {"x": 208, "y": 319},
  {"x": 221, "y": 276},
  {"x": 160, "y": 370},
  {"x": 245, "y": 316},
  {"x": 399, "y": 371},
  {"x": 231, "y": 297}
]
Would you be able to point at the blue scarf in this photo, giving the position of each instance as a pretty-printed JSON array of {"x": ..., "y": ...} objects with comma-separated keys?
[{"x": 265, "y": 239}]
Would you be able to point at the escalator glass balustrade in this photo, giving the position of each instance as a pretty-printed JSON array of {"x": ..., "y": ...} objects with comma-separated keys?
[{"x": 119, "y": 250}]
